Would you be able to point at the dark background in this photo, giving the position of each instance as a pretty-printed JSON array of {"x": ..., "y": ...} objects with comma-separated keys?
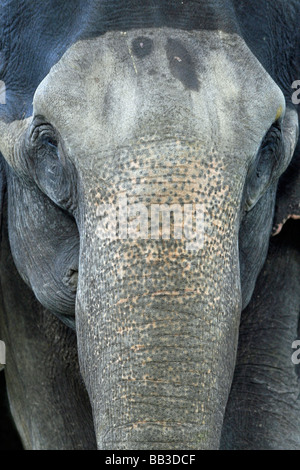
[{"x": 9, "y": 439}]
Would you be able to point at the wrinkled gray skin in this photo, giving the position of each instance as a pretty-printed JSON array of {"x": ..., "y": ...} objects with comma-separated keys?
[
  {"x": 263, "y": 410},
  {"x": 157, "y": 325}
]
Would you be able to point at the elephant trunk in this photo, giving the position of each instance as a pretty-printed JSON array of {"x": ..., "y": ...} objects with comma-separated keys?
[{"x": 157, "y": 327}]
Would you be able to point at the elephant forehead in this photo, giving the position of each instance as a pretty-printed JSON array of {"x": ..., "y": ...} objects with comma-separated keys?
[{"x": 106, "y": 92}]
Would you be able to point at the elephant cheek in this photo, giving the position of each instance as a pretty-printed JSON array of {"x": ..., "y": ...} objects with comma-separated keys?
[{"x": 157, "y": 336}]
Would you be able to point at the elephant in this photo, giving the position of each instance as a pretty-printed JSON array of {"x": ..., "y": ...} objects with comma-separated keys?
[{"x": 118, "y": 335}]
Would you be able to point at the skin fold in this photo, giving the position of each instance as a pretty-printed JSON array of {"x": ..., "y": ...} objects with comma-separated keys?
[
  {"x": 51, "y": 373},
  {"x": 263, "y": 408},
  {"x": 130, "y": 342}
]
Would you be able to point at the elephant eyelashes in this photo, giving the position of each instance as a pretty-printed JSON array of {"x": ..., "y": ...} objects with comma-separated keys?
[
  {"x": 261, "y": 173},
  {"x": 49, "y": 141}
]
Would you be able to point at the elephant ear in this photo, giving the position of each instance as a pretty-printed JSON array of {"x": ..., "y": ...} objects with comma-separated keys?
[
  {"x": 9, "y": 133},
  {"x": 2, "y": 190},
  {"x": 288, "y": 194},
  {"x": 2, "y": 197}
]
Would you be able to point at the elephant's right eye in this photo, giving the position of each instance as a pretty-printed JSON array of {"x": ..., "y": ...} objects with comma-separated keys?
[{"x": 49, "y": 167}]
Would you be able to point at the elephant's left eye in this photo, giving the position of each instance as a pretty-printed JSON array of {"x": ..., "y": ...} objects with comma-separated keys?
[
  {"x": 263, "y": 170},
  {"x": 44, "y": 136}
]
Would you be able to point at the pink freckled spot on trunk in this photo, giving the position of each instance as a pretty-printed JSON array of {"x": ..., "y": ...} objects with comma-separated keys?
[{"x": 137, "y": 347}]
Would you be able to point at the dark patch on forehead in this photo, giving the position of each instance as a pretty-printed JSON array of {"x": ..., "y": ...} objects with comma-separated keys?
[
  {"x": 142, "y": 46},
  {"x": 181, "y": 64}
]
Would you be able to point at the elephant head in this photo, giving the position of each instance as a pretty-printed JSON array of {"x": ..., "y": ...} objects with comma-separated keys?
[{"x": 158, "y": 119}]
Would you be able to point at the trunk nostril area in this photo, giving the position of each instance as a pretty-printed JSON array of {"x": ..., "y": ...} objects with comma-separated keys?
[{"x": 71, "y": 279}]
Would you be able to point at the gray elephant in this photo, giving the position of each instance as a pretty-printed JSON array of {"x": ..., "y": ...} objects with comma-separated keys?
[{"x": 148, "y": 151}]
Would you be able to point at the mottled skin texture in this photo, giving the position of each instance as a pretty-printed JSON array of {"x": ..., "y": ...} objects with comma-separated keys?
[{"x": 166, "y": 103}]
